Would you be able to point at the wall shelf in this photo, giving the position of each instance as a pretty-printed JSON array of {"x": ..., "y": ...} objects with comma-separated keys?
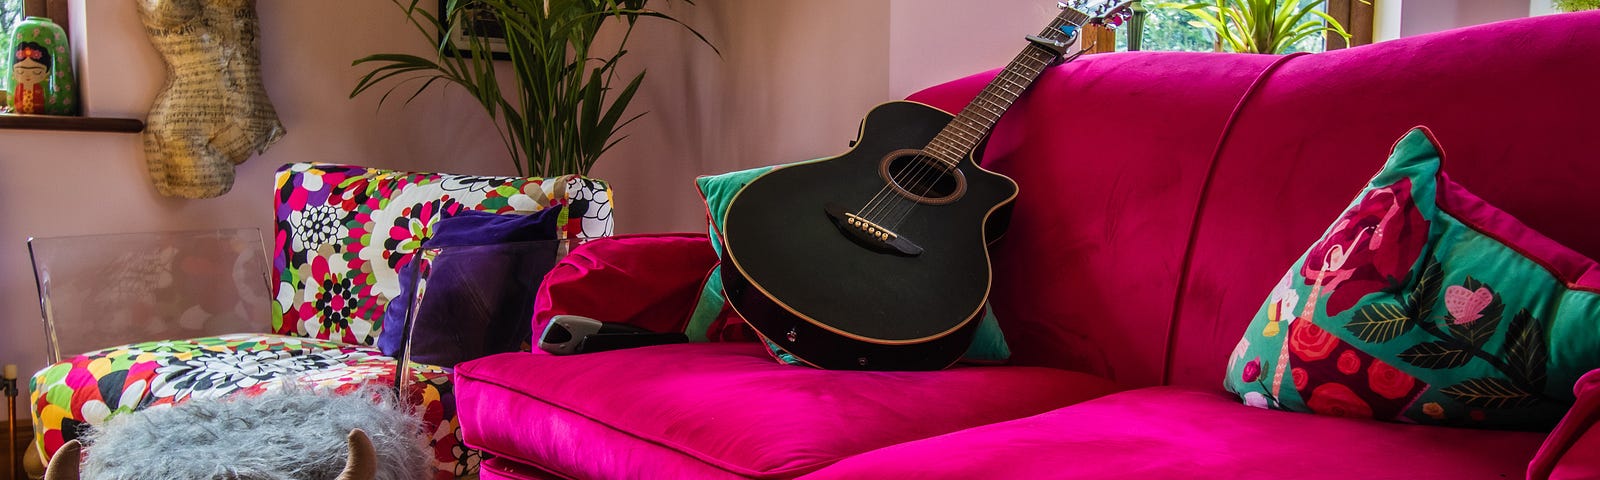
[{"x": 71, "y": 124}]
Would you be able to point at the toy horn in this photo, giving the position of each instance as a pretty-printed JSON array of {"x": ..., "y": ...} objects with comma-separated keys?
[
  {"x": 362, "y": 464},
  {"x": 64, "y": 465}
]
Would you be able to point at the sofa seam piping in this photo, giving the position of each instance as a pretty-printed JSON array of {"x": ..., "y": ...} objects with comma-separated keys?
[{"x": 1185, "y": 266}]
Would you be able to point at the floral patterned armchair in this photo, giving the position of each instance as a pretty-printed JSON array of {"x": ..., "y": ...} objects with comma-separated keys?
[{"x": 341, "y": 236}]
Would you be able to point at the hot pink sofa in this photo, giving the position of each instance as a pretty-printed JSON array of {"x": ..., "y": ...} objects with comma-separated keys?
[{"x": 1162, "y": 196}]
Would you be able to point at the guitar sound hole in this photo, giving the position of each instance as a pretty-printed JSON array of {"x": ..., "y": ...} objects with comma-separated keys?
[{"x": 922, "y": 178}]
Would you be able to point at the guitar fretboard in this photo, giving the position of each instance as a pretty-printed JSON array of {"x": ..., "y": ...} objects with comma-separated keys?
[{"x": 963, "y": 133}]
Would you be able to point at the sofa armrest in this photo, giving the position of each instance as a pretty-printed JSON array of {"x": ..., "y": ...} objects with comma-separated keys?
[
  {"x": 646, "y": 280},
  {"x": 1573, "y": 449}
]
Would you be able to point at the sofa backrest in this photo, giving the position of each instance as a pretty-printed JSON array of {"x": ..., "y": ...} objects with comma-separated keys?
[
  {"x": 1164, "y": 194},
  {"x": 343, "y": 233}
]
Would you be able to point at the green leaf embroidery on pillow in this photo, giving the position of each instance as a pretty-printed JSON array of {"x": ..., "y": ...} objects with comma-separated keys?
[
  {"x": 1426, "y": 294},
  {"x": 1379, "y": 322},
  {"x": 1436, "y": 355},
  {"x": 1490, "y": 392},
  {"x": 1526, "y": 349}
]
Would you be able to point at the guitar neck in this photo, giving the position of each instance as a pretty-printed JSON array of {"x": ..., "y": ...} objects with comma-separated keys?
[{"x": 968, "y": 128}]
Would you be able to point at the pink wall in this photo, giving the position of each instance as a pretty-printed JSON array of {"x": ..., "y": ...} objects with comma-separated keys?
[
  {"x": 1424, "y": 16},
  {"x": 938, "y": 40},
  {"x": 1404, "y": 18},
  {"x": 792, "y": 83}
]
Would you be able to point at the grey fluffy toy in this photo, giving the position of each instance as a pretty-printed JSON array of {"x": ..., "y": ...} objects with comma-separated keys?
[{"x": 294, "y": 434}]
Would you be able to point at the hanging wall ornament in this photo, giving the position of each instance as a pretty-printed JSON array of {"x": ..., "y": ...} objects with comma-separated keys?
[{"x": 213, "y": 112}]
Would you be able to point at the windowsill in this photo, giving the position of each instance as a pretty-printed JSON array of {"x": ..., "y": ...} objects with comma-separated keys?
[{"x": 71, "y": 124}]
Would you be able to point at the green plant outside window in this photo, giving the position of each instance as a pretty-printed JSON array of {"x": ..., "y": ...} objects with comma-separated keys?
[{"x": 1256, "y": 26}]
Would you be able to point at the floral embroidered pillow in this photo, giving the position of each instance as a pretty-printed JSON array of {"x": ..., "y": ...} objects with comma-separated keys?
[{"x": 1424, "y": 304}]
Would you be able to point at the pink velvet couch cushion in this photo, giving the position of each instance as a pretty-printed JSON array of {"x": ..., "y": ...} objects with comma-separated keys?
[
  {"x": 1172, "y": 432},
  {"x": 714, "y": 410}
]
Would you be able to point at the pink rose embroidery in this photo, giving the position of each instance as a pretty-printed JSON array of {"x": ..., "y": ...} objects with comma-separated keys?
[
  {"x": 1370, "y": 248},
  {"x": 1388, "y": 381},
  {"x": 1338, "y": 400},
  {"x": 1252, "y": 371},
  {"x": 1310, "y": 342},
  {"x": 1349, "y": 363}
]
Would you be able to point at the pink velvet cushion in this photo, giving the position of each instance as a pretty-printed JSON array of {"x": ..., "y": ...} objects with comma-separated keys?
[
  {"x": 1170, "y": 432},
  {"x": 647, "y": 280},
  {"x": 708, "y": 410}
]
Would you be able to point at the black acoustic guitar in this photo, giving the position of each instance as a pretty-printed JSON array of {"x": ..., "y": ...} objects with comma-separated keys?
[{"x": 878, "y": 259}]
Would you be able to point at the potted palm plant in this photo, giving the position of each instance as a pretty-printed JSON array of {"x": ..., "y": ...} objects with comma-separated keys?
[
  {"x": 565, "y": 105},
  {"x": 1261, "y": 26}
]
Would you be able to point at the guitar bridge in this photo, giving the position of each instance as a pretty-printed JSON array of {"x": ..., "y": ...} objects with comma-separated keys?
[{"x": 869, "y": 234}]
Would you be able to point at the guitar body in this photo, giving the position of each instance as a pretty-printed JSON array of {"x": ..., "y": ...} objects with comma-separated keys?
[{"x": 847, "y": 269}]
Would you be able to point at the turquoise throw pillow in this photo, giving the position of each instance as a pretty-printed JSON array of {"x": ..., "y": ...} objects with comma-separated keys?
[
  {"x": 1424, "y": 304},
  {"x": 712, "y": 317}
]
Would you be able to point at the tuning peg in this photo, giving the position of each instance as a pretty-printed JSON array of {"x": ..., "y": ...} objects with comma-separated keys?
[{"x": 1061, "y": 5}]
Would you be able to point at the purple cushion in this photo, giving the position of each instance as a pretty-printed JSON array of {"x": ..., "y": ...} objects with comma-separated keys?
[
  {"x": 479, "y": 299},
  {"x": 1170, "y": 432},
  {"x": 710, "y": 410}
]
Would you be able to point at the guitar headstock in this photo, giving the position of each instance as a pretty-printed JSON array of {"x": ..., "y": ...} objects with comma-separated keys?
[
  {"x": 1107, "y": 13},
  {"x": 1075, "y": 14}
]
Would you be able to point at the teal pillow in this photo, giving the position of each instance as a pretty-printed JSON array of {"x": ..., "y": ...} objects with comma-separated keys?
[
  {"x": 1424, "y": 304},
  {"x": 712, "y": 319}
]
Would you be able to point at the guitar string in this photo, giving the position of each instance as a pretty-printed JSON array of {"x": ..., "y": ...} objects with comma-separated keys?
[
  {"x": 922, "y": 162},
  {"x": 1033, "y": 62},
  {"x": 1027, "y": 58},
  {"x": 884, "y": 195},
  {"x": 889, "y": 200}
]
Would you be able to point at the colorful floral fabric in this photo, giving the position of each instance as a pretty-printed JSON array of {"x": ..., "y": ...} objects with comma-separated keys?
[
  {"x": 343, "y": 233},
  {"x": 87, "y": 389},
  {"x": 1424, "y": 304}
]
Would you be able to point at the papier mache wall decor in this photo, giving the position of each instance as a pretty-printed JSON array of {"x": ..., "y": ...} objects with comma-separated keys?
[{"x": 213, "y": 112}]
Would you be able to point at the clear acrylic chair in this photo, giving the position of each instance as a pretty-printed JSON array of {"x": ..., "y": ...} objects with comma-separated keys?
[{"x": 100, "y": 291}]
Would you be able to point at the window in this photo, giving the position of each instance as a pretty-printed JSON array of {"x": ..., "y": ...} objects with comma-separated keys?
[{"x": 1172, "y": 29}]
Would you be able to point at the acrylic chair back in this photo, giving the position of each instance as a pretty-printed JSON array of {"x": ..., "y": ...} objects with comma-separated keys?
[{"x": 101, "y": 291}]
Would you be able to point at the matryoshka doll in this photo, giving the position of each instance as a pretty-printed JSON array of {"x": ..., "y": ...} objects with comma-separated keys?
[{"x": 40, "y": 80}]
